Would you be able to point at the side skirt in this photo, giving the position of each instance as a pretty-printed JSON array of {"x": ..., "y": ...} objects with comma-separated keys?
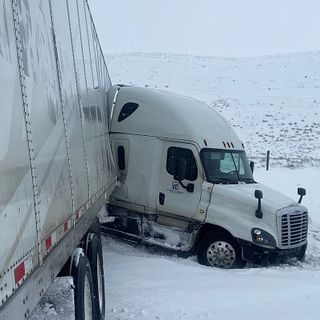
[{"x": 159, "y": 229}]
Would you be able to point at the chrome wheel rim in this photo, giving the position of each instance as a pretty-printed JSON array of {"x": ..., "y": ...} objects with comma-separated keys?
[
  {"x": 87, "y": 299},
  {"x": 221, "y": 254}
]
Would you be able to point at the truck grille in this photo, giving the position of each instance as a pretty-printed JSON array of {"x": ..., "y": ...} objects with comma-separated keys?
[{"x": 293, "y": 227}]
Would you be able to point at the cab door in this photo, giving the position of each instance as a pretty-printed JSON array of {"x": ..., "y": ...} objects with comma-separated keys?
[{"x": 175, "y": 197}]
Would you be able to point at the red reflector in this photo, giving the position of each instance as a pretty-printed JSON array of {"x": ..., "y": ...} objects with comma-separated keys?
[
  {"x": 48, "y": 243},
  {"x": 19, "y": 272},
  {"x": 65, "y": 226},
  {"x": 77, "y": 215}
]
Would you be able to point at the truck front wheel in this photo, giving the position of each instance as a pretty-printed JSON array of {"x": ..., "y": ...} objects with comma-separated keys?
[{"x": 220, "y": 251}]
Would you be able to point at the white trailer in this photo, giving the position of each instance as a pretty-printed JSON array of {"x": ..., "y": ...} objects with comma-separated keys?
[
  {"x": 56, "y": 167},
  {"x": 186, "y": 184}
]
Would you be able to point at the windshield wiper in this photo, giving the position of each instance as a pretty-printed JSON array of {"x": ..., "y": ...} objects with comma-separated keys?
[{"x": 247, "y": 180}]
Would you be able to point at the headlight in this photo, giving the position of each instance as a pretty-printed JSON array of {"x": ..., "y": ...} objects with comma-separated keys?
[{"x": 262, "y": 237}]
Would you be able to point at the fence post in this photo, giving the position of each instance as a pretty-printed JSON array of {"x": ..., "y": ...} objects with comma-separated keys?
[{"x": 268, "y": 160}]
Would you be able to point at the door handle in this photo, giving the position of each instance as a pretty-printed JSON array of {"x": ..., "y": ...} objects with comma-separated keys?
[{"x": 162, "y": 198}]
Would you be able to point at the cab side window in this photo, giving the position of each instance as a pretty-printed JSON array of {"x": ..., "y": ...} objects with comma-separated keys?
[
  {"x": 174, "y": 155},
  {"x": 121, "y": 158}
]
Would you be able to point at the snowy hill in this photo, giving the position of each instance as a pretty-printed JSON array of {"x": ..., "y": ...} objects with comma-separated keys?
[{"x": 273, "y": 102}]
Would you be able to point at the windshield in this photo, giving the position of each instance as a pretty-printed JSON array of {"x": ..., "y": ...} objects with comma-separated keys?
[{"x": 226, "y": 166}]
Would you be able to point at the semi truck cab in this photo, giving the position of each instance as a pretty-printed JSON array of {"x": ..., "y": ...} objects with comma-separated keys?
[{"x": 185, "y": 183}]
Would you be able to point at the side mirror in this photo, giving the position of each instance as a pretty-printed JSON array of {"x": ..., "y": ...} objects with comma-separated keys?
[
  {"x": 301, "y": 192},
  {"x": 181, "y": 170},
  {"x": 252, "y": 166},
  {"x": 190, "y": 187},
  {"x": 258, "y": 195}
]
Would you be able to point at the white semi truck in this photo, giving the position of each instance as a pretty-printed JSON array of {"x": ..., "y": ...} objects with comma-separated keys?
[
  {"x": 56, "y": 167},
  {"x": 185, "y": 183}
]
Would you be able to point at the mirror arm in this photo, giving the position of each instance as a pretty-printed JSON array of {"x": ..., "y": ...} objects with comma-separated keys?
[
  {"x": 182, "y": 185},
  {"x": 259, "y": 213},
  {"x": 251, "y": 166},
  {"x": 258, "y": 195},
  {"x": 189, "y": 187},
  {"x": 301, "y": 193}
]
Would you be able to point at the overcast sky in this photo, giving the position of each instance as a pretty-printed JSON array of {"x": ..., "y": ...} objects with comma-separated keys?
[{"x": 208, "y": 27}]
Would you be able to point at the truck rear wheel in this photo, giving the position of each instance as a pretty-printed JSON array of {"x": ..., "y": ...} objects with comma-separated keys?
[
  {"x": 95, "y": 256},
  {"x": 83, "y": 288},
  {"x": 220, "y": 251}
]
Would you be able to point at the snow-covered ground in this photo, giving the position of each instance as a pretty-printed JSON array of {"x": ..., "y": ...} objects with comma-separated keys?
[{"x": 274, "y": 104}]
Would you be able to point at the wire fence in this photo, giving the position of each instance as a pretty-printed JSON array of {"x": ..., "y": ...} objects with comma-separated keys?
[{"x": 283, "y": 161}]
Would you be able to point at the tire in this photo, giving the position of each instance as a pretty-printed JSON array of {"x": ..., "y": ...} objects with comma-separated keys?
[
  {"x": 95, "y": 227},
  {"x": 220, "y": 251},
  {"x": 301, "y": 256},
  {"x": 83, "y": 289},
  {"x": 95, "y": 256}
]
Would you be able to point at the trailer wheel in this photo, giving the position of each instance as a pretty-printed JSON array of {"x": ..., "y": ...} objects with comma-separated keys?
[
  {"x": 220, "y": 251},
  {"x": 95, "y": 256},
  {"x": 83, "y": 288}
]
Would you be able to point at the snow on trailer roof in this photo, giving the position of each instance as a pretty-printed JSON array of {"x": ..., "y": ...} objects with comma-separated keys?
[{"x": 164, "y": 114}]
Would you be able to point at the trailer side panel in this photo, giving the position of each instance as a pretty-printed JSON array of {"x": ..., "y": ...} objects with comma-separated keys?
[{"x": 56, "y": 166}]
